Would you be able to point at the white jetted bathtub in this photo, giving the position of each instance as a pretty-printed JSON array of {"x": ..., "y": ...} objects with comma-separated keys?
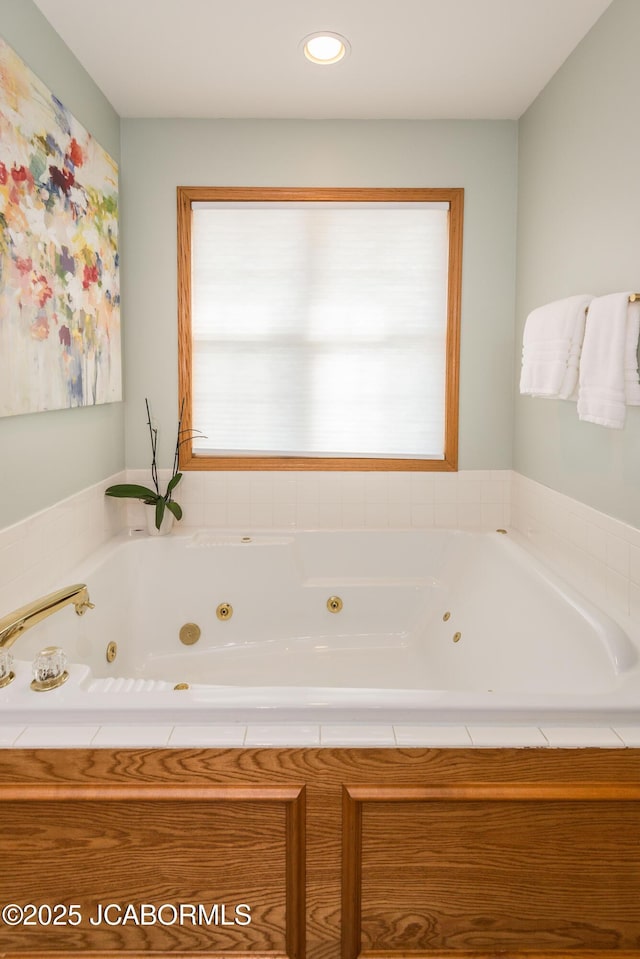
[{"x": 393, "y": 626}]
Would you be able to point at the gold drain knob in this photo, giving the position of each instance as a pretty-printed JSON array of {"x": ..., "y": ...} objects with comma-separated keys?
[
  {"x": 112, "y": 651},
  {"x": 189, "y": 634},
  {"x": 224, "y": 611},
  {"x": 334, "y": 604}
]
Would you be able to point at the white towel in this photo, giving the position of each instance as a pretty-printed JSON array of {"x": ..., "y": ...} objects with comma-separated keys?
[
  {"x": 551, "y": 348},
  {"x": 607, "y": 370},
  {"x": 631, "y": 376}
]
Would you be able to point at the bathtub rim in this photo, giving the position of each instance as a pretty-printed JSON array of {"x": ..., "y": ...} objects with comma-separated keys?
[{"x": 73, "y": 704}]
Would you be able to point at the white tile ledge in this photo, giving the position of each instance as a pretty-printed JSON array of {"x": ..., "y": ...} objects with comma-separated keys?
[{"x": 329, "y": 735}]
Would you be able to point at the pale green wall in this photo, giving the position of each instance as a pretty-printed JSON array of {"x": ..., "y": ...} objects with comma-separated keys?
[
  {"x": 159, "y": 155},
  {"x": 574, "y": 171},
  {"x": 45, "y": 457},
  {"x": 579, "y": 231}
]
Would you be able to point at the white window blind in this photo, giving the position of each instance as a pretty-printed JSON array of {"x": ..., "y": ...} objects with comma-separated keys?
[{"x": 319, "y": 328}]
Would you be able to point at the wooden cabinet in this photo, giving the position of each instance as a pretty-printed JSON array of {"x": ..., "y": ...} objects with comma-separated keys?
[{"x": 324, "y": 853}]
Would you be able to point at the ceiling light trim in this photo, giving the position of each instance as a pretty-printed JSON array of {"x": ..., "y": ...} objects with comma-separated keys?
[{"x": 314, "y": 54}]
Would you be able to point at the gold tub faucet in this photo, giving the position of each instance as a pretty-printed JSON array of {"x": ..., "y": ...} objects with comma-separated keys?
[{"x": 20, "y": 620}]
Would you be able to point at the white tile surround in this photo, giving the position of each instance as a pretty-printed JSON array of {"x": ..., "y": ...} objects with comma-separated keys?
[
  {"x": 307, "y": 736},
  {"x": 470, "y": 499},
  {"x": 33, "y": 551},
  {"x": 596, "y": 553}
]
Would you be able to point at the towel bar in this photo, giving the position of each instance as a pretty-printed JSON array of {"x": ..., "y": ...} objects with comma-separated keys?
[{"x": 632, "y": 299}]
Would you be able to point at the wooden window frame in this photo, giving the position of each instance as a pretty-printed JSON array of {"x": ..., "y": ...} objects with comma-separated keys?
[{"x": 187, "y": 195}]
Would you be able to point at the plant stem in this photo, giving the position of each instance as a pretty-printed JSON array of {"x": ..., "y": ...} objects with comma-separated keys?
[
  {"x": 154, "y": 445},
  {"x": 176, "y": 455}
]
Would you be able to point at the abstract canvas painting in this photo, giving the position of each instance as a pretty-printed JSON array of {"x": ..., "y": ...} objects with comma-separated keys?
[{"x": 59, "y": 277}]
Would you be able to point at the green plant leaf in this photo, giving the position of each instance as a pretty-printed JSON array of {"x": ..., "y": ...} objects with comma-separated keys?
[
  {"x": 174, "y": 482},
  {"x": 160, "y": 505},
  {"x": 175, "y": 509},
  {"x": 132, "y": 491}
]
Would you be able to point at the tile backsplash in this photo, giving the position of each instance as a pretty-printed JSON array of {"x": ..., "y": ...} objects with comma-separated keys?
[
  {"x": 597, "y": 553},
  {"x": 469, "y": 499},
  {"x": 34, "y": 551}
]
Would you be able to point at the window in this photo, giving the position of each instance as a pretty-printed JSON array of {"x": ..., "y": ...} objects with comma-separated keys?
[{"x": 319, "y": 329}]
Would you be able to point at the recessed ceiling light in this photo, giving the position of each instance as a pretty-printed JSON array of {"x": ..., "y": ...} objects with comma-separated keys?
[{"x": 325, "y": 48}]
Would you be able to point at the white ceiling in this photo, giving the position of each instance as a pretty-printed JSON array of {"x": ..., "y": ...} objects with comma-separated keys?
[{"x": 466, "y": 59}]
